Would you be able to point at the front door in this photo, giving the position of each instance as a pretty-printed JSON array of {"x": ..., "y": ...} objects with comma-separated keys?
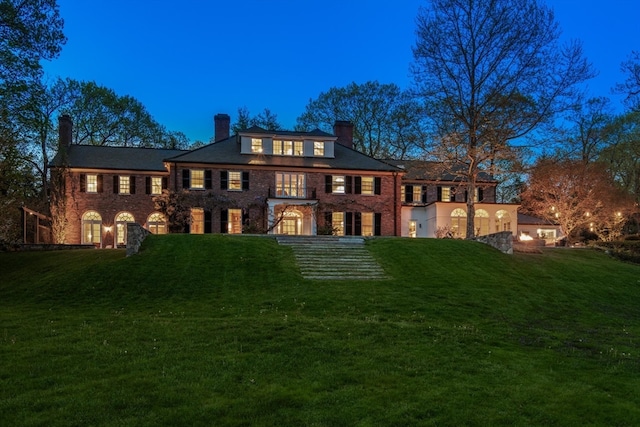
[{"x": 289, "y": 226}]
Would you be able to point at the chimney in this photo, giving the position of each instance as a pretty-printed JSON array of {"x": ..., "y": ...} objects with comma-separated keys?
[
  {"x": 344, "y": 131},
  {"x": 221, "y": 123},
  {"x": 65, "y": 131}
]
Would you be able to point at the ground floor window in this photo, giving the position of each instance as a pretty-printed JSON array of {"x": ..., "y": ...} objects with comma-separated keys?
[
  {"x": 91, "y": 227},
  {"x": 459, "y": 223},
  {"x": 481, "y": 222},
  {"x": 503, "y": 221},
  {"x": 197, "y": 221},
  {"x": 156, "y": 223},
  {"x": 412, "y": 229},
  {"x": 367, "y": 223},
  {"x": 235, "y": 221},
  {"x": 337, "y": 223},
  {"x": 121, "y": 227}
]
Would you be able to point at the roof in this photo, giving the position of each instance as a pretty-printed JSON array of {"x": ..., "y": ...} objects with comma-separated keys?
[
  {"x": 258, "y": 130},
  {"x": 532, "y": 220},
  {"x": 227, "y": 152},
  {"x": 435, "y": 171},
  {"x": 125, "y": 158}
]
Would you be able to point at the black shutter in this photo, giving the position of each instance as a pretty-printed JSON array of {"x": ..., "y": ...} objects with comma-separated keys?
[
  {"x": 186, "y": 179},
  {"x": 83, "y": 183},
  {"x": 207, "y": 179},
  {"x": 377, "y": 224},
  {"x": 466, "y": 195},
  {"x": 245, "y": 180},
  {"x": 347, "y": 184},
  {"x": 100, "y": 184},
  {"x": 452, "y": 194},
  {"x": 357, "y": 185},
  {"x": 348, "y": 224},
  {"x": 207, "y": 222},
  {"x": 377, "y": 185},
  {"x": 224, "y": 221},
  {"x": 132, "y": 185},
  {"x": 357, "y": 224},
  {"x": 245, "y": 217},
  {"x": 116, "y": 184},
  {"x": 408, "y": 193},
  {"x": 439, "y": 198},
  {"x": 424, "y": 194},
  {"x": 480, "y": 194},
  {"x": 328, "y": 187},
  {"x": 224, "y": 180},
  {"x": 165, "y": 183},
  {"x": 328, "y": 219},
  {"x": 147, "y": 185}
]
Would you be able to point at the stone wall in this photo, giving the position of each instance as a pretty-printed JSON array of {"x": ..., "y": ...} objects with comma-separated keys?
[
  {"x": 502, "y": 241},
  {"x": 135, "y": 236}
]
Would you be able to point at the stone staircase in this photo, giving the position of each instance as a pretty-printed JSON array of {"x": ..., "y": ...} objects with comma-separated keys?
[{"x": 333, "y": 258}]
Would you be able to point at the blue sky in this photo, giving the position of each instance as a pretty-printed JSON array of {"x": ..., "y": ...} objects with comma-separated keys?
[{"x": 188, "y": 60}]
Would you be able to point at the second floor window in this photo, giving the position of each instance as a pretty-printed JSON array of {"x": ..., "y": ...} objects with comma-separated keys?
[
  {"x": 290, "y": 185},
  {"x": 318, "y": 149},
  {"x": 124, "y": 184},
  {"x": 366, "y": 185},
  {"x": 235, "y": 181},
  {"x": 156, "y": 185},
  {"x": 197, "y": 178},
  {"x": 92, "y": 183},
  {"x": 337, "y": 184},
  {"x": 287, "y": 148}
]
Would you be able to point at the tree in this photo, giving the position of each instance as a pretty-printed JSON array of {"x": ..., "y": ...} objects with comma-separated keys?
[
  {"x": 266, "y": 120},
  {"x": 631, "y": 86},
  {"x": 576, "y": 195},
  {"x": 490, "y": 71},
  {"x": 387, "y": 122}
]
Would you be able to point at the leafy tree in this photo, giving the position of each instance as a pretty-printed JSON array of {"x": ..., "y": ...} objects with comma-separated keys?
[
  {"x": 631, "y": 86},
  {"x": 266, "y": 120},
  {"x": 576, "y": 195},
  {"x": 387, "y": 122},
  {"x": 490, "y": 71}
]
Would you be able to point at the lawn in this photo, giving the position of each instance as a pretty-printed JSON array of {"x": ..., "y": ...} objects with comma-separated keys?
[{"x": 222, "y": 330}]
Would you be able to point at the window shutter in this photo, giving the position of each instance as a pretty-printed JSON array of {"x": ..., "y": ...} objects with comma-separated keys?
[
  {"x": 224, "y": 180},
  {"x": 439, "y": 194},
  {"x": 377, "y": 185},
  {"x": 377, "y": 224},
  {"x": 132, "y": 185},
  {"x": 357, "y": 224},
  {"x": 224, "y": 221},
  {"x": 207, "y": 179},
  {"x": 245, "y": 217},
  {"x": 100, "y": 185},
  {"x": 480, "y": 194},
  {"x": 245, "y": 180},
  {"x": 116, "y": 184},
  {"x": 452, "y": 193},
  {"x": 357, "y": 185},
  {"x": 328, "y": 219},
  {"x": 466, "y": 195},
  {"x": 83, "y": 183},
  {"x": 348, "y": 224},
  {"x": 347, "y": 184},
  {"x": 207, "y": 222},
  {"x": 424, "y": 194},
  {"x": 165, "y": 183},
  {"x": 186, "y": 178},
  {"x": 328, "y": 188},
  {"x": 408, "y": 193},
  {"x": 147, "y": 185},
  {"x": 187, "y": 228}
]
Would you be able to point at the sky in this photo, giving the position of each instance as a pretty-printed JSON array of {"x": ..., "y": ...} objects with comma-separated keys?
[{"x": 188, "y": 60}]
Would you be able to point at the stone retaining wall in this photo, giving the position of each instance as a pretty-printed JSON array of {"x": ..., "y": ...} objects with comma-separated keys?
[
  {"x": 502, "y": 241},
  {"x": 135, "y": 236}
]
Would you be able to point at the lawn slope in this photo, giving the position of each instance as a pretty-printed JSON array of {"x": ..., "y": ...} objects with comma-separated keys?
[{"x": 223, "y": 330}]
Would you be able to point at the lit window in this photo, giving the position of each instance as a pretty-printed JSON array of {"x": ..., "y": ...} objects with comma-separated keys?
[
  {"x": 92, "y": 183},
  {"x": 124, "y": 185},
  {"x": 156, "y": 185},
  {"x": 318, "y": 148},
  {"x": 290, "y": 185},
  {"x": 235, "y": 181},
  {"x": 367, "y": 223},
  {"x": 503, "y": 220},
  {"x": 256, "y": 145},
  {"x": 298, "y": 149},
  {"x": 337, "y": 223},
  {"x": 412, "y": 229},
  {"x": 197, "y": 178},
  {"x": 235, "y": 221},
  {"x": 287, "y": 148},
  {"x": 337, "y": 184},
  {"x": 121, "y": 226},
  {"x": 481, "y": 222},
  {"x": 91, "y": 227},
  {"x": 197, "y": 221},
  {"x": 459, "y": 223},
  {"x": 446, "y": 194},
  {"x": 366, "y": 185},
  {"x": 156, "y": 223},
  {"x": 417, "y": 193}
]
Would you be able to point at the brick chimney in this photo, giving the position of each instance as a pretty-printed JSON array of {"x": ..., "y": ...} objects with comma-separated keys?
[
  {"x": 221, "y": 123},
  {"x": 65, "y": 131},
  {"x": 344, "y": 131}
]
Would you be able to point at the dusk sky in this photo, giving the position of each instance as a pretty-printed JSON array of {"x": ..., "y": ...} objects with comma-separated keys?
[{"x": 185, "y": 61}]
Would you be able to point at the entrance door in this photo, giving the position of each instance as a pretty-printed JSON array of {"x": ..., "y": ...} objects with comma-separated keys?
[{"x": 289, "y": 226}]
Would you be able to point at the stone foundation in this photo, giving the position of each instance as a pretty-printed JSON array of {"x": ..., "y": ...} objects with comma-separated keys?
[
  {"x": 502, "y": 241},
  {"x": 135, "y": 236}
]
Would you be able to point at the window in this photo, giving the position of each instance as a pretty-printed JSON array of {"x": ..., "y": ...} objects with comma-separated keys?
[
  {"x": 197, "y": 178},
  {"x": 445, "y": 195},
  {"x": 459, "y": 223},
  {"x": 503, "y": 221},
  {"x": 92, "y": 183},
  {"x": 481, "y": 222},
  {"x": 290, "y": 185},
  {"x": 411, "y": 193},
  {"x": 124, "y": 186},
  {"x": 156, "y": 223},
  {"x": 256, "y": 145},
  {"x": 156, "y": 185},
  {"x": 337, "y": 223},
  {"x": 235, "y": 221},
  {"x": 367, "y": 223},
  {"x": 91, "y": 227},
  {"x": 121, "y": 226},
  {"x": 337, "y": 184},
  {"x": 318, "y": 148},
  {"x": 366, "y": 185},
  {"x": 235, "y": 181},
  {"x": 412, "y": 229},
  {"x": 197, "y": 221},
  {"x": 287, "y": 148}
]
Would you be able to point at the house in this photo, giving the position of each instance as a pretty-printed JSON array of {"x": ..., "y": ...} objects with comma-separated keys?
[
  {"x": 276, "y": 182},
  {"x": 533, "y": 228},
  {"x": 434, "y": 202}
]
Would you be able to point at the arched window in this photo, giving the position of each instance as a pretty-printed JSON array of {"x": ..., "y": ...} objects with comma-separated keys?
[
  {"x": 91, "y": 227},
  {"x": 459, "y": 223},
  {"x": 481, "y": 222},
  {"x": 121, "y": 227},
  {"x": 156, "y": 223},
  {"x": 503, "y": 221}
]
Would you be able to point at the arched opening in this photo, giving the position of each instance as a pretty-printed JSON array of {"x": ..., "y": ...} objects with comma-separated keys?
[
  {"x": 459, "y": 223},
  {"x": 156, "y": 223},
  {"x": 92, "y": 228},
  {"x": 481, "y": 222},
  {"x": 121, "y": 227},
  {"x": 503, "y": 221},
  {"x": 290, "y": 223}
]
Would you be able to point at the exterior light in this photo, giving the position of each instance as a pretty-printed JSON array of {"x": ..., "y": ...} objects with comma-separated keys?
[{"x": 107, "y": 229}]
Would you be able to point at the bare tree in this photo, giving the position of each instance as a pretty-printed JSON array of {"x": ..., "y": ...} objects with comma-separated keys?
[
  {"x": 490, "y": 72},
  {"x": 631, "y": 86}
]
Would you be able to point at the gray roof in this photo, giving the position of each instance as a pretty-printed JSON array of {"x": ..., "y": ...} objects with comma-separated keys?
[
  {"x": 532, "y": 220},
  {"x": 227, "y": 152},
  {"x": 435, "y": 171},
  {"x": 125, "y": 158},
  {"x": 259, "y": 130}
]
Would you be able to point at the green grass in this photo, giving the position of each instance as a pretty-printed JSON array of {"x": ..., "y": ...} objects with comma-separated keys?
[{"x": 222, "y": 330}]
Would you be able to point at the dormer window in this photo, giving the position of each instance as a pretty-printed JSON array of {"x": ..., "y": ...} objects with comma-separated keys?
[
  {"x": 318, "y": 148},
  {"x": 256, "y": 145},
  {"x": 287, "y": 148}
]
